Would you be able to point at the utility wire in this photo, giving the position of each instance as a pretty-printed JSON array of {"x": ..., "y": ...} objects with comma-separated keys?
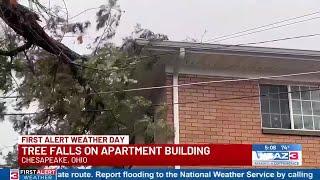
[
  {"x": 10, "y": 97},
  {"x": 210, "y": 82},
  {"x": 240, "y": 97},
  {"x": 140, "y": 59},
  {"x": 242, "y": 44},
  {"x": 34, "y": 113},
  {"x": 259, "y": 27},
  {"x": 223, "y": 47},
  {"x": 275, "y": 40},
  {"x": 224, "y": 37},
  {"x": 198, "y": 83},
  {"x": 147, "y": 88},
  {"x": 204, "y": 82},
  {"x": 170, "y": 53},
  {"x": 254, "y": 32},
  {"x": 232, "y": 34},
  {"x": 296, "y": 22},
  {"x": 227, "y": 36},
  {"x": 214, "y": 48},
  {"x": 18, "y": 114},
  {"x": 298, "y": 17},
  {"x": 190, "y": 102},
  {"x": 84, "y": 11}
]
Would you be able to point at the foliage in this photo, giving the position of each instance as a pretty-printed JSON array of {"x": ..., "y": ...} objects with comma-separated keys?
[
  {"x": 64, "y": 106},
  {"x": 11, "y": 158}
]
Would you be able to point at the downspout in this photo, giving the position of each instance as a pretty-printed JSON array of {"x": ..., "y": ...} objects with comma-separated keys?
[{"x": 175, "y": 81}]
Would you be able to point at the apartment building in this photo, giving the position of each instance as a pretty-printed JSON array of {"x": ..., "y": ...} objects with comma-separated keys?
[{"x": 239, "y": 94}]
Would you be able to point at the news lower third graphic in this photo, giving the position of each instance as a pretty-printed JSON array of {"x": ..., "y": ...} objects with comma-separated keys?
[
  {"x": 115, "y": 150},
  {"x": 77, "y": 150},
  {"x": 70, "y": 151}
]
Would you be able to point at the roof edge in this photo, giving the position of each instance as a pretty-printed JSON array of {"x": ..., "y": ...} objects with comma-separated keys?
[{"x": 234, "y": 49}]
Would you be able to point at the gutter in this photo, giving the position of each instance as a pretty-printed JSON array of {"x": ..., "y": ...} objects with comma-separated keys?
[{"x": 281, "y": 53}]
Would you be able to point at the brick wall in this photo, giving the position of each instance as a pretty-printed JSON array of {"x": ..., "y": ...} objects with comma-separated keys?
[{"x": 229, "y": 121}]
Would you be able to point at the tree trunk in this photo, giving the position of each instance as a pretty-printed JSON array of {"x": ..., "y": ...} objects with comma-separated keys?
[{"x": 24, "y": 22}]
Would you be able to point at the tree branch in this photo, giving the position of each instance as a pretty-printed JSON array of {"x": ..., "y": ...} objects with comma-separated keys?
[
  {"x": 17, "y": 50},
  {"x": 25, "y": 23},
  {"x": 30, "y": 63}
]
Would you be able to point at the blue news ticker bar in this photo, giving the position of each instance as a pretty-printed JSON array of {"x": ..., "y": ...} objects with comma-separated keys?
[
  {"x": 66, "y": 174},
  {"x": 276, "y": 147},
  {"x": 4, "y": 173}
]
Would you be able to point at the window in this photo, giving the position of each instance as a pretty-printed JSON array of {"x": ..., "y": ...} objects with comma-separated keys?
[
  {"x": 297, "y": 110},
  {"x": 275, "y": 106},
  {"x": 305, "y": 108}
]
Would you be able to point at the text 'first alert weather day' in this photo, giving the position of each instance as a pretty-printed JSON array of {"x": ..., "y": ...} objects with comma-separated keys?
[{"x": 74, "y": 139}]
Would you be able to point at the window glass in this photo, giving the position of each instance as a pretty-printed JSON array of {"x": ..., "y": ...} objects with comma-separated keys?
[
  {"x": 264, "y": 89},
  {"x": 308, "y": 122},
  {"x": 306, "y": 108},
  {"x": 305, "y": 93},
  {"x": 317, "y": 123},
  {"x": 284, "y": 106},
  {"x": 315, "y": 95},
  {"x": 275, "y": 106},
  {"x": 296, "y": 107},
  {"x": 295, "y": 94},
  {"x": 275, "y": 121},
  {"x": 316, "y": 108},
  {"x": 283, "y": 92},
  {"x": 266, "y": 120},
  {"x": 286, "y": 123},
  {"x": 274, "y": 92},
  {"x": 265, "y": 105},
  {"x": 297, "y": 122}
]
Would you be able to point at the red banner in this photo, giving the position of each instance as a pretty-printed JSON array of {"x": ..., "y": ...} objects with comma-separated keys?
[{"x": 138, "y": 155}]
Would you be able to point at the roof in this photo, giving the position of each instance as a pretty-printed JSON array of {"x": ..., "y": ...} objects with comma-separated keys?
[{"x": 230, "y": 49}]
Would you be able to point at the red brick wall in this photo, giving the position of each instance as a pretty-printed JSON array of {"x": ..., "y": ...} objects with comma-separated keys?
[{"x": 229, "y": 121}]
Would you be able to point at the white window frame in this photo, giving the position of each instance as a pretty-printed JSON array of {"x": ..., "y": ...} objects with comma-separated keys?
[
  {"x": 302, "y": 114},
  {"x": 291, "y": 110},
  {"x": 290, "y": 107}
]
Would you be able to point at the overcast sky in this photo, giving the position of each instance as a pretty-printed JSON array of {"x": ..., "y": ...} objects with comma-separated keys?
[{"x": 182, "y": 19}]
